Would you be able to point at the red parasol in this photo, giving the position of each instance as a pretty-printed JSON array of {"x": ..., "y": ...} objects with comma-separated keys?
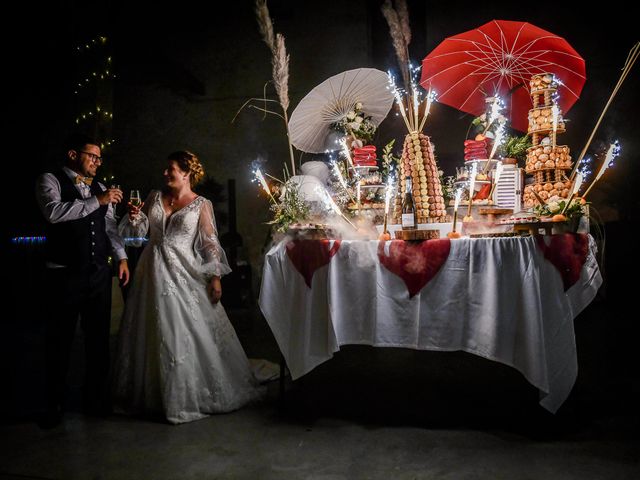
[{"x": 499, "y": 58}]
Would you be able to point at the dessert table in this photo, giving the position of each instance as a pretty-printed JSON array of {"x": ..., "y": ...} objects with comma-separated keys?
[{"x": 512, "y": 300}]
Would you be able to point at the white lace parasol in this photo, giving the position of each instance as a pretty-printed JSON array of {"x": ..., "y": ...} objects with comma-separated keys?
[{"x": 329, "y": 102}]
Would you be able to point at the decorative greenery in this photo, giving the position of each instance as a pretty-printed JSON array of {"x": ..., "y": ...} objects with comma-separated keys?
[
  {"x": 291, "y": 209},
  {"x": 389, "y": 160},
  {"x": 516, "y": 147},
  {"x": 357, "y": 124},
  {"x": 448, "y": 186}
]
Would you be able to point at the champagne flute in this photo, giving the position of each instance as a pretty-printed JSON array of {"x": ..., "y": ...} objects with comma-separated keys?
[
  {"x": 134, "y": 198},
  {"x": 113, "y": 204}
]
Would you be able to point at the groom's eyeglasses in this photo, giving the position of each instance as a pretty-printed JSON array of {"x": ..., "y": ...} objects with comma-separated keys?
[{"x": 94, "y": 158}]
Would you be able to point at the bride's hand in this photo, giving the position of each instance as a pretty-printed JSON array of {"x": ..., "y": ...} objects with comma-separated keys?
[
  {"x": 214, "y": 290},
  {"x": 134, "y": 211}
]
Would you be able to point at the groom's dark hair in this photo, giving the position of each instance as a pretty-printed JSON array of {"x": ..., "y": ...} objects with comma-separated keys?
[{"x": 77, "y": 141}]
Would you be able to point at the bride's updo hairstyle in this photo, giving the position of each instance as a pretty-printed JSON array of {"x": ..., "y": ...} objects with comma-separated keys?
[{"x": 189, "y": 163}]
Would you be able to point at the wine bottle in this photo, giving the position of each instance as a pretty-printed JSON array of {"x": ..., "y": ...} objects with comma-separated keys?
[{"x": 408, "y": 208}]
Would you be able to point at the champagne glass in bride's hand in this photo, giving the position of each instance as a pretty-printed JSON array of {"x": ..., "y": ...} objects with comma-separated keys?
[{"x": 135, "y": 203}]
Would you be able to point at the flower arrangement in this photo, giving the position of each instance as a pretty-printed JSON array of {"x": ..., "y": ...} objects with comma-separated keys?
[
  {"x": 556, "y": 206},
  {"x": 291, "y": 208},
  {"x": 357, "y": 124}
]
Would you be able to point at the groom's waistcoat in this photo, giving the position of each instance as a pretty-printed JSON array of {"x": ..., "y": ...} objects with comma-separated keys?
[{"x": 82, "y": 242}]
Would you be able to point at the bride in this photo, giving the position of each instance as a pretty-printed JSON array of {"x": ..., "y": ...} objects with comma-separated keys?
[{"x": 177, "y": 351}]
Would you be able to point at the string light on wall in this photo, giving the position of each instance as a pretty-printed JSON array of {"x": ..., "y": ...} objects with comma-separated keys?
[
  {"x": 100, "y": 40},
  {"x": 99, "y": 113},
  {"x": 94, "y": 92}
]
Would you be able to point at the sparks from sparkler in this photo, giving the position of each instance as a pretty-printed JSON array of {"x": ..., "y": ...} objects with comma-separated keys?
[
  {"x": 472, "y": 186},
  {"x": 260, "y": 177},
  {"x": 397, "y": 94},
  {"x": 612, "y": 153},
  {"x": 555, "y": 113},
  {"x": 388, "y": 193},
  {"x": 345, "y": 151},
  {"x": 496, "y": 108},
  {"x": 331, "y": 205},
  {"x": 585, "y": 168},
  {"x": 498, "y": 140},
  {"x": 472, "y": 180},
  {"x": 432, "y": 96}
]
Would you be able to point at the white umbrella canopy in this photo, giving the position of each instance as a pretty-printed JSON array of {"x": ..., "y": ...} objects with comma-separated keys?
[{"x": 310, "y": 124}]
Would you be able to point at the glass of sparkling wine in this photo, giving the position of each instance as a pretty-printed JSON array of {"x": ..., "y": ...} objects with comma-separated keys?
[
  {"x": 134, "y": 198},
  {"x": 113, "y": 185}
]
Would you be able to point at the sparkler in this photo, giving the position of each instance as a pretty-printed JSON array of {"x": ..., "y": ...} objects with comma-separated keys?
[
  {"x": 495, "y": 113},
  {"x": 634, "y": 53},
  {"x": 456, "y": 203},
  {"x": 555, "y": 112},
  {"x": 332, "y": 205},
  {"x": 398, "y": 96},
  {"x": 577, "y": 183},
  {"x": 341, "y": 179},
  {"x": 264, "y": 183},
  {"x": 387, "y": 201},
  {"x": 472, "y": 186},
  {"x": 612, "y": 153},
  {"x": 345, "y": 151},
  {"x": 496, "y": 177}
]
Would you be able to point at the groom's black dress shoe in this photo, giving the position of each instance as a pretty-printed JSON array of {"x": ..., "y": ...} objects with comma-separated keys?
[{"x": 50, "y": 419}]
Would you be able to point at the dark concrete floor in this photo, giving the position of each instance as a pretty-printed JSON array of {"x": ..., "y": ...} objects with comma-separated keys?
[{"x": 376, "y": 413}]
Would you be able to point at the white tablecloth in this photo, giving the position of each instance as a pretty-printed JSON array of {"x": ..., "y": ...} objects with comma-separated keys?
[{"x": 497, "y": 298}]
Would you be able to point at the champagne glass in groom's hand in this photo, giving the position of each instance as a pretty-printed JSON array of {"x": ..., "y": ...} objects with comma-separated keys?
[{"x": 114, "y": 204}]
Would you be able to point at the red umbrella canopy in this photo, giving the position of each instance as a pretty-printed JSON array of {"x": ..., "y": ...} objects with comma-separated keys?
[{"x": 499, "y": 58}]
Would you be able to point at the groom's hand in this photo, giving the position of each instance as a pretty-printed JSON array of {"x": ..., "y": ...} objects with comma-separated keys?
[
  {"x": 111, "y": 195},
  {"x": 123, "y": 272}
]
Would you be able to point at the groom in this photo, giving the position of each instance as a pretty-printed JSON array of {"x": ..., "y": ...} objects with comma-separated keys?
[{"x": 81, "y": 236}]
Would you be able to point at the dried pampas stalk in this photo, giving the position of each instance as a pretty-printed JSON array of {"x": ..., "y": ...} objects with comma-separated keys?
[
  {"x": 280, "y": 64},
  {"x": 265, "y": 24},
  {"x": 279, "y": 68},
  {"x": 403, "y": 15},
  {"x": 398, "y": 40}
]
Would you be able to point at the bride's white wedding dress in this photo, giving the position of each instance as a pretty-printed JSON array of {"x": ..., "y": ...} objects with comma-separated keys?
[{"x": 178, "y": 353}]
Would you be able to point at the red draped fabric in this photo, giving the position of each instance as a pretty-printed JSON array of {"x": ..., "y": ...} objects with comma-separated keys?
[
  {"x": 567, "y": 252},
  {"x": 415, "y": 263},
  {"x": 309, "y": 255}
]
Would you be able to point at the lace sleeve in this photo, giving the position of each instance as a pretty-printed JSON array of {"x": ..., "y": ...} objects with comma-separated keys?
[
  {"x": 207, "y": 245},
  {"x": 137, "y": 228}
]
